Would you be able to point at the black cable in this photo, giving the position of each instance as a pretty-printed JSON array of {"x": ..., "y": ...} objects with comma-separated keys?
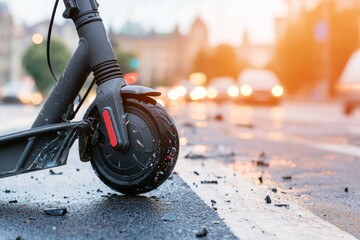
[{"x": 49, "y": 40}]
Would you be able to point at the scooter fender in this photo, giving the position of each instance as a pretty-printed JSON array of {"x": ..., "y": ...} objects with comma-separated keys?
[
  {"x": 139, "y": 90},
  {"x": 85, "y": 138}
]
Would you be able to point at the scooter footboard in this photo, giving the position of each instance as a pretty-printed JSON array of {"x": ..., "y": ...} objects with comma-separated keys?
[{"x": 36, "y": 149}]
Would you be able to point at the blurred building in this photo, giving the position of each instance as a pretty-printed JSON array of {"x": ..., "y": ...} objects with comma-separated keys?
[
  {"x": 6, "y": 25},
  {"x": 164, "y": 58}
]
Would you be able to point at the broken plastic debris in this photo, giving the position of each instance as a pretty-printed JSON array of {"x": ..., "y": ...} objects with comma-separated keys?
[
  {"x": 13, "y": 201},
  {"x": 209, "y": 182},
  {"x": 219, "y": 118},
  {"x": 261, "y": 163},
  {"x": 54, "y": 173},
  {"x": 268, "y": 199},
  {"x": 192, "y": 155},
  {"x": 202, "y": 233},
  {"x": 346, "y": 189},
  {"x": 282, "y": 205},
  {"x": 287, "y": 177},
  {"x": 56, "y": 211}
]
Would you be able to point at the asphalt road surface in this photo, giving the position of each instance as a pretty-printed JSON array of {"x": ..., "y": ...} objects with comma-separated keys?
[{"x": 303, "y": 153}]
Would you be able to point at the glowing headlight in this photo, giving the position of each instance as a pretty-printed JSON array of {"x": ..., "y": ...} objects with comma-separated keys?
[
  {"x": 233, "y": 91},
  {"x": 277, "y": 91},
  {"x": 246, "y": 90},
  {"x": 198, "y": 93},
  {"x": 211, "y": 93}
]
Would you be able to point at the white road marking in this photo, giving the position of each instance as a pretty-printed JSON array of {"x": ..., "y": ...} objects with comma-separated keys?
[
  {"x": 340, "y": 148},
  {"x": 242, "y": 205}
]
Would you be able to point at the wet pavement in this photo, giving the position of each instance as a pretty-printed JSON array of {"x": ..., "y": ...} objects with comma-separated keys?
[
  {"x": 278, "y": 147},
  {"x": 93, "y": 211}
]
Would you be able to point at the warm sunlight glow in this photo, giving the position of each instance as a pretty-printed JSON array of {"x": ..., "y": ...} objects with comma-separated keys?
[
  {"x": 198, "y": 78},
  {"x": 246, "y": 90}
]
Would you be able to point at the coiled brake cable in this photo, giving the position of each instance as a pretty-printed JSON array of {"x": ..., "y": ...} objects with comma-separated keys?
[
  {"x": 49, "y": 40},
  {"x": 82, "y": 99}
]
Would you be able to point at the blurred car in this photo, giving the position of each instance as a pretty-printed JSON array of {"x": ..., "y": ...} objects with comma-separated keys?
[
  {"x": 187, "y": 91},
  {"x": 260, "y": 86},
  {"x": 348, "y": 86},
  {"x": 222, "y": 89},
  {"x": 13, "y": 94}
]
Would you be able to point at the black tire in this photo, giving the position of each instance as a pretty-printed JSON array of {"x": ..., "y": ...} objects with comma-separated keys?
[{"x": 153, "y": 151}]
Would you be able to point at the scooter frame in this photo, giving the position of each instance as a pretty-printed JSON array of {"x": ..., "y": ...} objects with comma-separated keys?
[{"x": 47, "y": 143}]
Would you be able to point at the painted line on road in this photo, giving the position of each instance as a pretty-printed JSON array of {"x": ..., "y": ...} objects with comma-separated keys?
[
  {"x": 340, "y": 148},
  {"x": 241, "y": 204}
]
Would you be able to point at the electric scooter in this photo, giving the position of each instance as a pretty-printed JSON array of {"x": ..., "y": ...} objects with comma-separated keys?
[{"x": 129, "y": 139}]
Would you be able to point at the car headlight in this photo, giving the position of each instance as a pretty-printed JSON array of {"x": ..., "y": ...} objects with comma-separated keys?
[
  {"x": 198, "y": 93},
  {"x": 211, "y": 93},
  {"x": 246, "y": 90},
  {"x": 277, "y": 91},
  {"x": 233, "y": 91}
]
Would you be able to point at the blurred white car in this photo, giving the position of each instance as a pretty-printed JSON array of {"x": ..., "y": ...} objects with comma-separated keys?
[
  {"x": 349, "y": 84},
  {"x": 222, "y": 89},
  {"x": 187, "y": 91},
  {"x": 17, "y": 94},
  {"x": 260, "y": 86}
]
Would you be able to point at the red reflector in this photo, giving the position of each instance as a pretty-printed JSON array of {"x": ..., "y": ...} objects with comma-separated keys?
[{"x": 110, "y": 128}]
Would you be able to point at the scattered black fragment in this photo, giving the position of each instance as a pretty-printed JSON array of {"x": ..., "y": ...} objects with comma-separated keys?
[
  {"x": 13, "y": 201},
  {"x": 261, "y": 180},
  {"x": 209, "y": 182},
  {"x": 99, "y": 190},
  {"x": 346, "y": 189},
  {"x": 213, "y": 202},
  {"x": 282, "y": 205},
  {"x": 110, "y": 196},
  {"x": 56, "y": 211},
  {"x": 196, "y": 173},
  {"x": 249, "y": 125},
  {"x": 219, "y": 118},
  {"x": 78, "y": 169},
  {"x": 268, "y": 199},
  {"x": 260, "y": 163},
  {"x": 192, "y": 155},
  {"x": 274, "y": 190},
  {"x": 287, "y": 177},
  {"x": 189, "y": 124},
  {"x": 7, "y": 191},
  {"x": 169, "y": 217},
  {"x": 54, "y": 173},
  {"x": 202, "y": 233},
  {"x": 19, "y": 238}
]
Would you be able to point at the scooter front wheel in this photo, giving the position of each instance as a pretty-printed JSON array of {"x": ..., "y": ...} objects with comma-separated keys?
[{"x": 153, "y": 151}]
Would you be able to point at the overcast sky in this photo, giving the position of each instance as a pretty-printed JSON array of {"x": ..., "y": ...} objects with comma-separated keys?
[{"x": 226, "y": 18}]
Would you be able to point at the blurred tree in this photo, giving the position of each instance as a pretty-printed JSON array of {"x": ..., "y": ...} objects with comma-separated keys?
[
  {"x": 221, "y": 61},
  {"x": 305, "y": 57},
  {"x": 128, "y": 61},
  {"x": 35, "y": 63}
]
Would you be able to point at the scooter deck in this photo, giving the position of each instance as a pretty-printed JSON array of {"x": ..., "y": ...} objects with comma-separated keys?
[{"x": 37, "y": 148}]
